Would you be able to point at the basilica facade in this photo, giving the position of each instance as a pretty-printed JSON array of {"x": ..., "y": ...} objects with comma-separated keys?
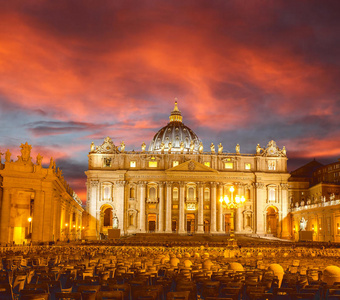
[{"x": 177, "y": 186}]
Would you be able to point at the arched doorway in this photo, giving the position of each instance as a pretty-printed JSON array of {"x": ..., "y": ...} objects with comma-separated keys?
[
  {"x": 190, "y": 223},
  {"x": 152, "y": 222},
  {"x": 106, "y": 216},
  {"x": 206, "y": 226},
  {"x": 272, "y": 220},
  {"x": 229, "y": 223}
]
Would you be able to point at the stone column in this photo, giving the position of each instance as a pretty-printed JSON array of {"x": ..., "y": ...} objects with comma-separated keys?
[
  {"x": 141, "y": 199},
  {"x": 220, "y": 208},
  {"x": 5, "y": 216},
  {"x": 181, "y": 208},
  {"x": 47, "y": 229},
  {"x": 119, "y": 200},
  {"x": 38, "y": 215},
  {"x": 161, "y": 208},
  {"x": 259, "y": 207},
  {"x": 238, "y": 211},
  {"x": 168, "y": 216},
  {"x": 284, "y": 209},
  {"x": 213, "y": 208},
  {"x": 200, "y": 220},
  {"x": 91, "y": 233}
]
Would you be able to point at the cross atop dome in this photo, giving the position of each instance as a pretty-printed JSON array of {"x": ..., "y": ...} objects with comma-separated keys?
[{"x": 175, "y": 114}]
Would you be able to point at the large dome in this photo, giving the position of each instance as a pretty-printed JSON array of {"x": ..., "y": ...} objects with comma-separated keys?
[{"x": 180, "y": 136}]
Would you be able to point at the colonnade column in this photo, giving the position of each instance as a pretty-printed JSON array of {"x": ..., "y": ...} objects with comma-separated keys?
[
  {"x": 238, "y": 211},
  {"x": 5, "y": 212},
  {"x": 284, "y": 206},
  {"x": 91, "y": 233},
  {"x": 181, "y": 207},
  {"x": 168, "y": 216},
  {"x": 213, "y": 208},
  {"x": 220, "y": 208},
  {"x": 259, "y": 207},
  {"x": 141, "y": 199},
  {"x": 37, "y": 220},
  {"x": 120, "y": 196},
  {"x": 161, "y": 207},
  {"x": 200, "y": 221}
]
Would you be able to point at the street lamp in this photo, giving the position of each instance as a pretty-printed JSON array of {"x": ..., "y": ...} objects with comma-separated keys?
[
  {"x": 232, "y": 202},
  {"x": 30, "y": 227}
]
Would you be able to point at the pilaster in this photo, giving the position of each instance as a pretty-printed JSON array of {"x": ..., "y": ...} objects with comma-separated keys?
[
  {"x": 213, "y": 207},
  {"x": 168, "y": 216},
  {"x": 161, "y": 207},
  {"x": 141, "y": 199},
  {"x": 200, "y": 221},
  {"x": 181, "y": 208}
]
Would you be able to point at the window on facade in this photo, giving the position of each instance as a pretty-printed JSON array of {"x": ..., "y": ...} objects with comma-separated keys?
[
  {"x": 271, "y": 165},
  {"x": 132, "y": 164},
  {"x": 106, "y": 190},
  {"x": 191, "y": 193},
  {"x": 152, "y": 164},
  {"x": 107, "y": 162},
  {"x": 152, "y": 194},
  {"x": 132, "y": 192},
  {"x": 228, "y": 165},
  {"x": 207, "y": 163},
  {"x": 271, "y": 194},
  {"x": 175, "y": 163},
  {"x": 206, "y": 194},
  {"x": 175, "y": 194},
  {"x": 338, "y": 228},
  {"x": 247, "y": 166}
]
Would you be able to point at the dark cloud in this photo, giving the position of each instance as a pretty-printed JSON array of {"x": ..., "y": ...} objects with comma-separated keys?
[{"x": 41, "y": 128}]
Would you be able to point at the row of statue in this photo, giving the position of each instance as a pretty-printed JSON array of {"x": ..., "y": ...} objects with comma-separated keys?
[{"x": 271, "y": 149}]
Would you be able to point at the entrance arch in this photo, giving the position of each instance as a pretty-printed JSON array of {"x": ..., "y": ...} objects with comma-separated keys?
[
  {"x": 190, "y": 223},
  {"x": 272, "y": 217},
  {"x": 152, "y": 221},
  {"x": 106, "y": 216}
]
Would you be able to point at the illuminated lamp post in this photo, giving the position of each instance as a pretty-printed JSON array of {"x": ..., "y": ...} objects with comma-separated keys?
[
  {"x": 30, "y": 228},
  {"x": 233, "y": 203}
]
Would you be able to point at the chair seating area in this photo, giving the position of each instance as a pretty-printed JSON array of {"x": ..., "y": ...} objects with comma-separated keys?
[{"x": 94, "y": 272}]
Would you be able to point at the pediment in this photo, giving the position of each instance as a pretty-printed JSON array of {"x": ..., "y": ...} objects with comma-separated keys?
[{"x": 191, "y": 166}]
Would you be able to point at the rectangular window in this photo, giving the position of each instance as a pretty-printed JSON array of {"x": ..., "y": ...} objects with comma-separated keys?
[
  {"x": 132, "y": 164},
  {"x": 271, "y": 165},
  {"x": 207, "y": 163},
  {"x": 228, "y": 165},
  {"x": 175, "y": 163},
  {"x": 338, "y": 228},
  {"x": 175, "y": 206},
  {"x": 247, "y": 166},
  {"x": 152, "y": 164},
  {"x": 207, "y": 207}
]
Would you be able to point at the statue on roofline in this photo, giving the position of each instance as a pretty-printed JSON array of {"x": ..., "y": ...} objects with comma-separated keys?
[
  {"x": 200, "y": 147},
  {"x": 8, "y": 156},
  {"x": 143, "y": 147},
  {"x": 181, "y": 147},
  {"x": 122, "y": 146},
  {"x": 169, "y": 147},
  {"x": 220, "y": 148},
  {"x": 237, "y": 148},
  {"x": 39, "y": 159},
  {"x": 212, "y": 148}
]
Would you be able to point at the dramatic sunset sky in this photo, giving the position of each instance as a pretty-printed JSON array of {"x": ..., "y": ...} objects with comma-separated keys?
[{"x": 244, "y": 71}]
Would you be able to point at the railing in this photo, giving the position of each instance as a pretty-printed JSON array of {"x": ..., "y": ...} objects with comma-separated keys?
[{"x": 316, "y": 205}]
